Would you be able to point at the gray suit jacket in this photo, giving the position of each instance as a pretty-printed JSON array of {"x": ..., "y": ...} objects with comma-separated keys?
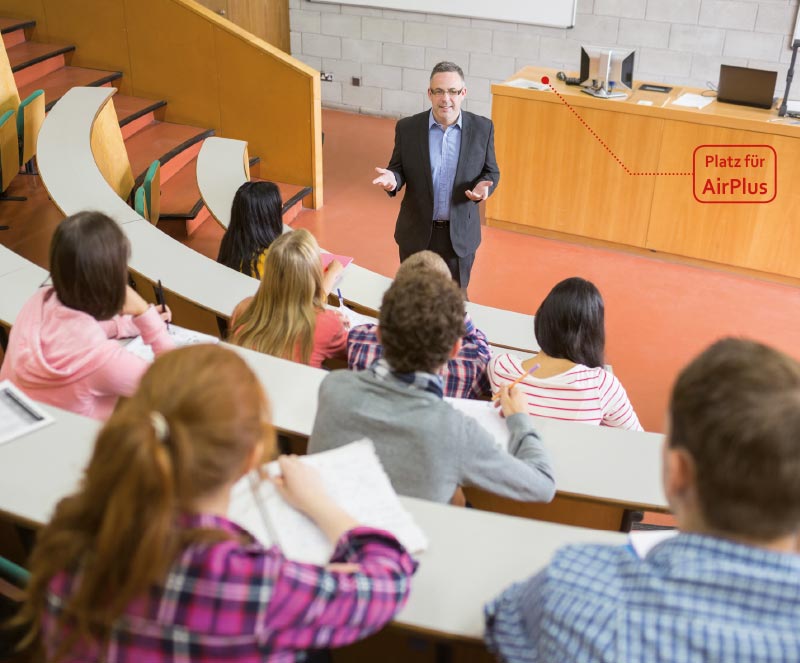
[{"x": 411, "y": 165}]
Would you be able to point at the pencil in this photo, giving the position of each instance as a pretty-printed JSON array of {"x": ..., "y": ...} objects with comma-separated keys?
[{"x": 518, "y": 380}]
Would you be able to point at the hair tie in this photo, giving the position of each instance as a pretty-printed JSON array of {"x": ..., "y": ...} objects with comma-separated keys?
[{"x": 160, "y": 425}]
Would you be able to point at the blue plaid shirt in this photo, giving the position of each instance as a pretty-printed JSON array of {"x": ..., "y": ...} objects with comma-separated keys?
[
  {"x": 693, "y": 599},
  {"x": 464, "y": 375}
]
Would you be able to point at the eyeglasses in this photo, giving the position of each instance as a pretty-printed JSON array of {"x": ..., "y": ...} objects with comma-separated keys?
[{"x": 438, "y": 92}]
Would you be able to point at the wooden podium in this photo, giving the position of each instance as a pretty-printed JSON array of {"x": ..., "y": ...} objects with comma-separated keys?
[{"x": 574, "y": 166}]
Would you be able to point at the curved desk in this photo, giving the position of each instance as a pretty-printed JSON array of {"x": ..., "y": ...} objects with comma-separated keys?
[
  {"x": 70, "y": 174},
  {"x": 222, "y": 169},
  {"x": 19, "y": 279},
  {"x": 473, "y": 555}
]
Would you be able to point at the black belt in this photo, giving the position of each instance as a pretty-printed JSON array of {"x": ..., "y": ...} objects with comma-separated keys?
[{"x": 441, "y": 223}]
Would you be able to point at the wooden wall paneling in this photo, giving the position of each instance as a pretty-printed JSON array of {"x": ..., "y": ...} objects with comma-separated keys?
[
  {"x": 563, "y": 509},
  {"x": 172, "y": 58},
  {"x": 557, "y": 176},
  {"x": 109, "y": 151},
  {"x": 219, "y": 7},
  {"x": 267, "y": 19},
  {"x": 286, "y": 135},
  {"x": 761, "y": 236},
  {"x": 98, "y": 30},
  {"x": 34, "y": 9},
  {"x": 9, "y": 96}
]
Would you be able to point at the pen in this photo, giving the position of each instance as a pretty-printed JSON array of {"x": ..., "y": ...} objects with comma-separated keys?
[
  {"x": 341, "y": 299},
  {"x": 160, "y": 299},
  {"x": 519, "y": 379}
]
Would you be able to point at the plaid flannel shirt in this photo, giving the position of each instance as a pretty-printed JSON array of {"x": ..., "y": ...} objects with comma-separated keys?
[
  {"x": 236, "y": 601},
  {"x": 464, "y": 375}
]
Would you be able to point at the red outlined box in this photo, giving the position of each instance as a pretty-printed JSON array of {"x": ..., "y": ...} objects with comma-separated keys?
[{"x": 719, "y": 180}]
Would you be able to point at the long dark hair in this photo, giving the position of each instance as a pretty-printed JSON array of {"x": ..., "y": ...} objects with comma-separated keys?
[
  {"x": 256, "y": 221},
  {"x": 570, "y": 323},
  {"x": 89, "y": 264}
]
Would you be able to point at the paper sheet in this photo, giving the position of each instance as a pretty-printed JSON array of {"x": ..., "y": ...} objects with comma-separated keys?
[
  {"x": 353, "y": 478},
  {"x": 487, "y": 415},
  {"x": 356, "y": 318},
  {"x": 643, "y": 541},
  {"x": 526, "y": 84},
  {"x": 180, "y": 335},
  {"x": 690, "y": 100},
  {"x": 19, "y": 415},
  {"x": 328, "y": 258}
]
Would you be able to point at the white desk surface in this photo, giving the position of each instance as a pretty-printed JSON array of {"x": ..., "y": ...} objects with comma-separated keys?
[
  {"x": 65, "y": 160},
  {"x": 220, "y": 173},
  {"x": 473, "y": 555},
  {"x": 590, "y": 462},
  {"x": 38, "y": 469},
  {"x": 19, "y": 279},
  {"x": 184, "y": 271}
]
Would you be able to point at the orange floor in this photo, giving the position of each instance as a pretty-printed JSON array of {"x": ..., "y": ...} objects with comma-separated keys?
[{"x": 659, "y": 314}]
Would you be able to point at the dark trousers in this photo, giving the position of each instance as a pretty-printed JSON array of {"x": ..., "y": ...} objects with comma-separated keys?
[{"x": 460, "y": 267}]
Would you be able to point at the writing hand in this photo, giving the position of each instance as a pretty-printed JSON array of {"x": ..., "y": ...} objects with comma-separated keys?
[
  {"x": 512, "y": 401},
  {"x": 480, "y": 191},
  {"x": 385, "y": 179}
]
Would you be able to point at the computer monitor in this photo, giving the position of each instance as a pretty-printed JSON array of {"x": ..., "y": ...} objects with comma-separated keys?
[{"x": 605, "y": 69}]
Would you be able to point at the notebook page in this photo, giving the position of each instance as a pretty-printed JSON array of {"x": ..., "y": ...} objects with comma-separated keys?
[
  {"x": 353, "y": 478},
  {"x": 19, "y": 415},
  {"x": 327, "y": 258},
  {"x": 487, "y": 415},
  {"x": 180, "y": 336},
  {"x": 244, "y": 511}
]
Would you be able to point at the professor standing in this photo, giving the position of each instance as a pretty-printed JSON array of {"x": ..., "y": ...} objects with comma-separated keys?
[{"x": 445, "y": 157}]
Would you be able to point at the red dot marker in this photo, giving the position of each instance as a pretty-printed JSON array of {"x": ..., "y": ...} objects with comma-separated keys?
[{"x": 546, "y": 80}]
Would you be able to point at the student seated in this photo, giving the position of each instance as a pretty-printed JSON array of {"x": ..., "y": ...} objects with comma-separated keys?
[
  {"x": 427, "y": 447},
  {"x": 727, "y": 587},
  {"x": 570, "y": 382},
  {"x": 287, "y": 317},
  {"x": 142, "y": 563},
  {"x": 464, "y": 375},
  {"x": 256, "y": 222},
  {"x": 62, "y": 348}
]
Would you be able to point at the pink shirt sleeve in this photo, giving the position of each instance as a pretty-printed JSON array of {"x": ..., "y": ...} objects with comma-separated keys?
[
  {"x": 330, "y": 338},
  {"x": 120, "y": 326},
  {"x": 120, "y": 375}
]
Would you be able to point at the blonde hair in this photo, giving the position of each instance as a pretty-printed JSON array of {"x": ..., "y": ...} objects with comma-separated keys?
[
  {"x": 423, "y": 260},
  {"x": 187, "y": 432},
  {"x": 281, "y": 318}
]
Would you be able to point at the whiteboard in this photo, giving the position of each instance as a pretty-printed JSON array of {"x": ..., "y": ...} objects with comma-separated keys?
[{"x": 554, "y": 13}]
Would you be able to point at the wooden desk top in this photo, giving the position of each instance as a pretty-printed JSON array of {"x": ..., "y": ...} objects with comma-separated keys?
[{"x": 715, "y": 114}]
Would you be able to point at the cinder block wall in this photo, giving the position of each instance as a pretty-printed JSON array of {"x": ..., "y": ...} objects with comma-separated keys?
[{"x": 392, "y": 52}]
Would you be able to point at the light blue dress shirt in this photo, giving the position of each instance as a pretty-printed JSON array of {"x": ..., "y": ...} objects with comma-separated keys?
[{"x": 444, "y": 146}]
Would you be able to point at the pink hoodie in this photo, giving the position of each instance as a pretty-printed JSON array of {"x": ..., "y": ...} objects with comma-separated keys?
[{"x": 64, "y": 357}]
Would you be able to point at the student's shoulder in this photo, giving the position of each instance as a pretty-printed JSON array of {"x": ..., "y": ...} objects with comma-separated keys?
[
  {"x": 506, "y": 365},
  {"x": 598, "y": 570}
]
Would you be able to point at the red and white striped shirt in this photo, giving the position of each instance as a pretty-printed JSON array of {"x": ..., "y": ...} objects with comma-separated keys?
[{"x": 589, "y": 395}]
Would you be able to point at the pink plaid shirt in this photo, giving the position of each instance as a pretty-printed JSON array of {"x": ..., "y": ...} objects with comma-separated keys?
[{"x": 239, "y": 602}]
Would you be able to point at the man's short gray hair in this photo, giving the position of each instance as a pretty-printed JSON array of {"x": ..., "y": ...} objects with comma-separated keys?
[{"x": 446, "y": 67}]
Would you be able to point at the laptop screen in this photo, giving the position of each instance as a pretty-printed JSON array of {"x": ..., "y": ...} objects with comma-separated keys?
[{"x": 745, "y": 86}]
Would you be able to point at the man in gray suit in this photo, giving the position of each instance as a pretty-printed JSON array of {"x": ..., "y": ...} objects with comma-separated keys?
[{"x": 445, "y": 157}]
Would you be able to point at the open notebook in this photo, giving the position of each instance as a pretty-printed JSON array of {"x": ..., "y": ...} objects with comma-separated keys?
[
  {"x": 180, "y": 336},
  {"x": 353, "y": 477}
]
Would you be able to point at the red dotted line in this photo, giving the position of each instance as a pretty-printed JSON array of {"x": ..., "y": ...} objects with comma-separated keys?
[{"x": 602, "y": 142}]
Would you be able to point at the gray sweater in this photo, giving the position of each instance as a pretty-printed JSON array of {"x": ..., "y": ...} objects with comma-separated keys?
[{"x": 427, "y": 447}]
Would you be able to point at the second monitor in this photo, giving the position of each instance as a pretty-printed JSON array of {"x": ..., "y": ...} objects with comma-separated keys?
[{"x": 603, "y": 70}]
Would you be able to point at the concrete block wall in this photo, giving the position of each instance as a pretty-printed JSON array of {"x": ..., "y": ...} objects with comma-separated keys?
[{"x": 681, "y": 42}]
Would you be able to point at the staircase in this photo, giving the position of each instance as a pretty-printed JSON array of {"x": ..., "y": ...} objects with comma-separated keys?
[{"x": 46, "y": 66}]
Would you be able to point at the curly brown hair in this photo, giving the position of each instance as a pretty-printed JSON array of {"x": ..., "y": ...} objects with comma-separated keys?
[{"x": 421, "y": 318}]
